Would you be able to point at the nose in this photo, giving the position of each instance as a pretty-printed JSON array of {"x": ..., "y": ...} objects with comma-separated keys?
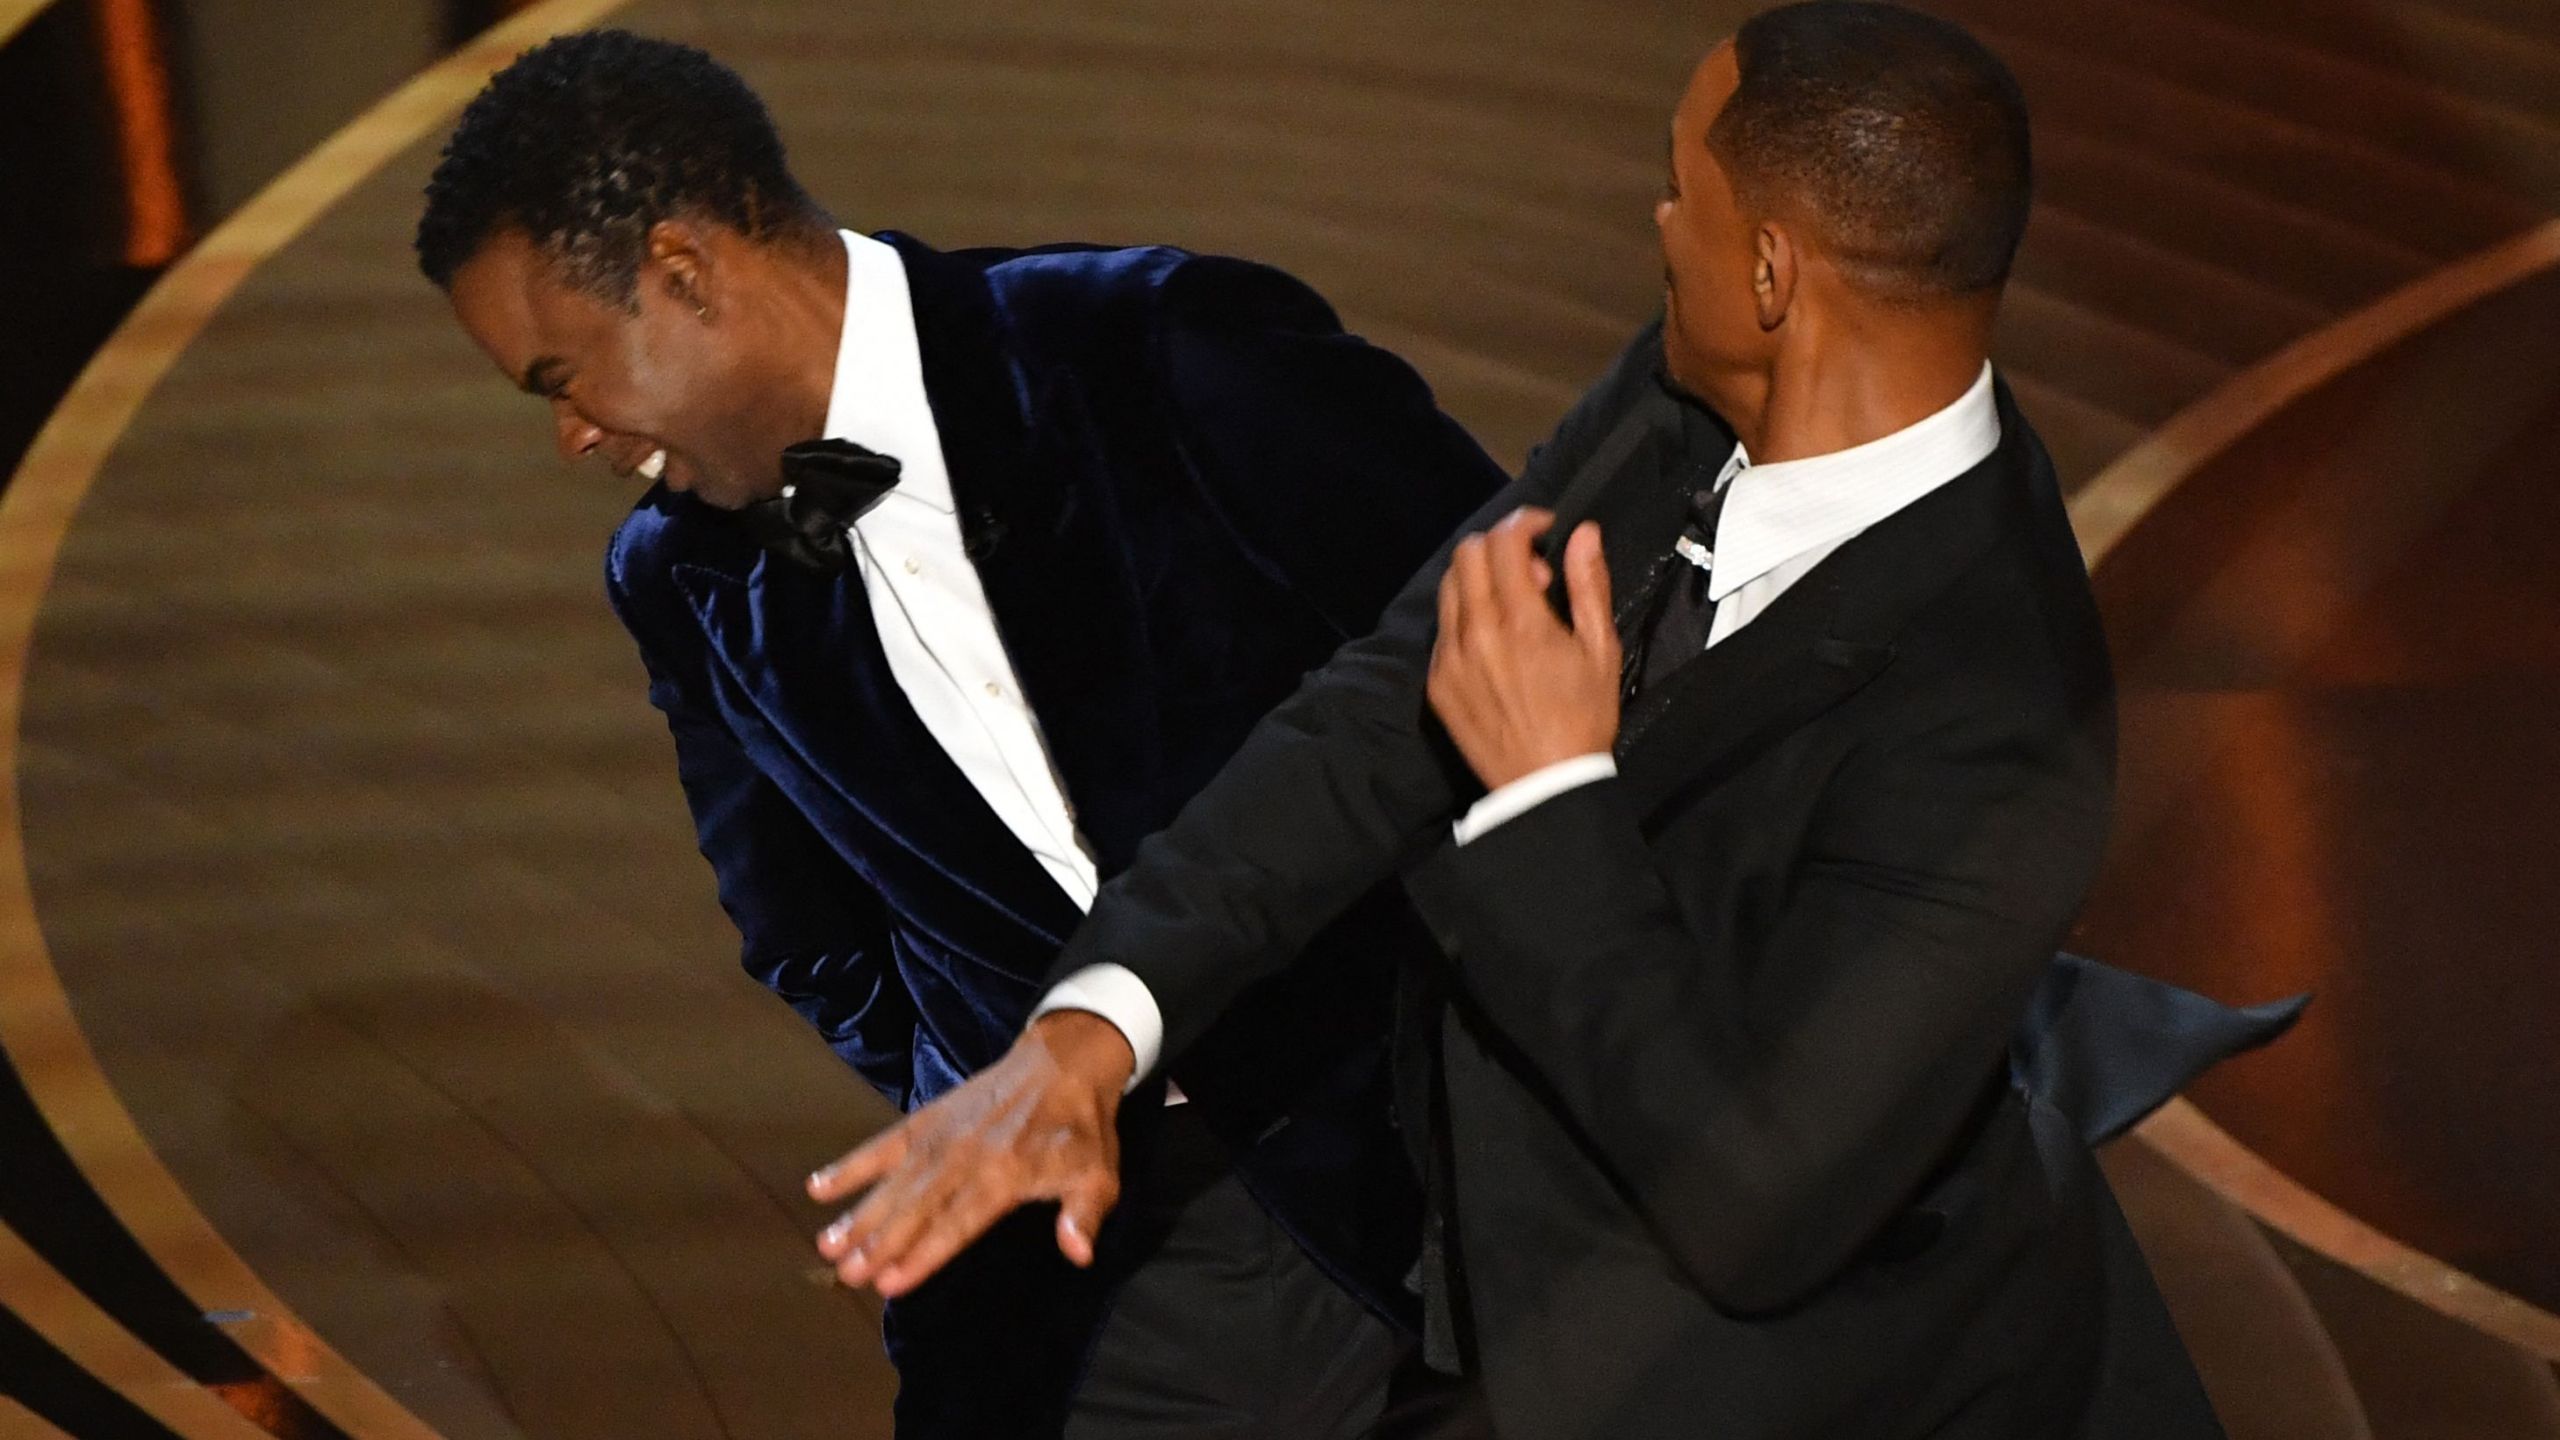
[{"x": 578, "y": 436}]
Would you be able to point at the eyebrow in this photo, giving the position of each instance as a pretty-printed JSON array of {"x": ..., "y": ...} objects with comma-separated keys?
[{"x": 541, "y": 379}]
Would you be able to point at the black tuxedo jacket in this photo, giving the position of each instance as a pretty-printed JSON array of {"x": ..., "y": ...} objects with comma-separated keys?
[
  {"x": 1183, "y": 486},
  {"x": 1725, "y": 1116}
]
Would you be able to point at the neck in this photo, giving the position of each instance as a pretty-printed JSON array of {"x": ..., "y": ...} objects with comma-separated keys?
[
  {"x": 1823, "y": 393},
  {"x": 806, "y": 320}
]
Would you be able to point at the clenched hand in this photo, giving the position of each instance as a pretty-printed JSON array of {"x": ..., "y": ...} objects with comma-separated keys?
[{"x": 1518, "y": 689}]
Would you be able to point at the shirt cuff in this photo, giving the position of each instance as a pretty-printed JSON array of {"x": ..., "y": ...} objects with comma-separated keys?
[
  {"x": 1531, "y": 791},
  {"x": 1120, "y": 997}
]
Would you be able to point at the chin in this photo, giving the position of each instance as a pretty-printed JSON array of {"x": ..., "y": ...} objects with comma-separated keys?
[
  {"x": 718, "y": 489},
  {"x": 732, "y": 492}
]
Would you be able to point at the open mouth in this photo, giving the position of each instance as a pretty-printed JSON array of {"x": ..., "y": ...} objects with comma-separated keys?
[{"x": 654, "y": 468}]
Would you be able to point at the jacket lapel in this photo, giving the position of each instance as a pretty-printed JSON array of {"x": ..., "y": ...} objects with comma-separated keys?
[
  {"x": 805, "y": 649},
  {"x": 1629, "y": 494},
  {"x": 1826, "y": 637},
  {"x": 1017, "y": 440},
  {"x": 1708, "y": 718}
]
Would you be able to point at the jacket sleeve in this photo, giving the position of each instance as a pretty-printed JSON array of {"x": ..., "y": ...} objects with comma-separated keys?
[
  {"x": 1347, "y": 779},
  {"x": 1769, "y": 1106},
  {"x": 1328, "y": 457},
  {"x": 812, "y": 930}
]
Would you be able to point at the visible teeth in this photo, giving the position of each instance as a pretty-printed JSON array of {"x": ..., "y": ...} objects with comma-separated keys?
[{"x": 655, "y": 466}]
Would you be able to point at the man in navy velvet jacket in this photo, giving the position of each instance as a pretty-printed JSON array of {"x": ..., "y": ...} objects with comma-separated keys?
[{"x": 1137, "y": 495}]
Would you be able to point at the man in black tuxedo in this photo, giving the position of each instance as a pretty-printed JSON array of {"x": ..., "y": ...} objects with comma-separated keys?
[
  {"x": 1744, "y": 864},
  {"x": 956, "y": 574}
]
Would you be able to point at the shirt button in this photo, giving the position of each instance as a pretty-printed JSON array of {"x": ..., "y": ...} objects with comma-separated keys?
[
  {"x": 995, "y": 689},
  {"x": 914, "y": 565}
]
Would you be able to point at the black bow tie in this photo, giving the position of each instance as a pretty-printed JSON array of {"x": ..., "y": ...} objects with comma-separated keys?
[{"x": 826, "y": 486}]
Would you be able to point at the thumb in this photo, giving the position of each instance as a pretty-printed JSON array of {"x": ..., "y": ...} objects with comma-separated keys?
[
  {"x": 1586, "y": 580},
  {"x": 1080, "y": 1213}
]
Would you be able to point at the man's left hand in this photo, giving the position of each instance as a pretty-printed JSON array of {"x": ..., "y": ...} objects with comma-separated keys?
[
  {"x": 1036, "y": 1125},
  {"x": 1517, "y": 688}
]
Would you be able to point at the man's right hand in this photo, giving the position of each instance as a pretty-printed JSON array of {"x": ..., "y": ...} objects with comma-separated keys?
[{"x": 1039, "y": 1124}]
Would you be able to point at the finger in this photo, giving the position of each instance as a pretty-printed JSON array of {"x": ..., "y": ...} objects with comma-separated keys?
[
  {"x": 1586, "y": 578},
  {"x": 1081, "y": 1211},
  {"x": 1513, "y": 558},
  {"x": 1478, "y": 609},
  {"x": 1452, "y": 601},
  {"x": 888, "y": 1219},
  {"x": 899, "y": 1241},
  {"x": 863, "y": 1256},
  {"x": 876, "y": 1157},
  {"x": 962, "y": 1219}
]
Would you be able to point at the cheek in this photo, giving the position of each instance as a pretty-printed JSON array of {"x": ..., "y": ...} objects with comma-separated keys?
[
  {"x": 651, "y": 378},
  {"x": 1713, "y": 308},
  {"x": 669, "y": 404},
  {"x": 699, "y": 390}
]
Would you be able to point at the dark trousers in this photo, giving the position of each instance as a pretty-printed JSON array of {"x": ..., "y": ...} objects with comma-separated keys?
[{"x": 1229, "y": 1332}]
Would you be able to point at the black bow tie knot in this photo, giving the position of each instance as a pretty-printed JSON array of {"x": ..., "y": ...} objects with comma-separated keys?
[{"x": 826, "y": 486}]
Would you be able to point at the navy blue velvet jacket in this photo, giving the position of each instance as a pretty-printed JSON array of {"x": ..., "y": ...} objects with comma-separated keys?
[{"x": 1183, "y": 487}]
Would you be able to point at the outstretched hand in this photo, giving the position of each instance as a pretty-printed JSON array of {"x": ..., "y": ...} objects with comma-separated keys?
[{"x": 1039, "y": 1124}]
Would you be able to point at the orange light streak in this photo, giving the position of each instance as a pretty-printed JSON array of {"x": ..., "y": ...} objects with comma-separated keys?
[{"x": 138, "y": 84}]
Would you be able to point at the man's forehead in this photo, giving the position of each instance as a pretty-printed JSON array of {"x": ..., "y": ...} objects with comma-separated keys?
[
  {"x": 494, "y": 296},
  {"x": 510, "y": 270},
  {"x": 1710, "y": 85}
]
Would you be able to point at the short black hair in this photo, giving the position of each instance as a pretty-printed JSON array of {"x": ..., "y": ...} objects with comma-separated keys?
[
  {"x": 587, "y": 140},
  {"x": 1903, "y": 135}
]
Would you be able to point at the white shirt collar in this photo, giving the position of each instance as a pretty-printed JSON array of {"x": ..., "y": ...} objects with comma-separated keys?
[
  {"x": 879, "y": 399},
  {"x": 1779, "y": 511}
]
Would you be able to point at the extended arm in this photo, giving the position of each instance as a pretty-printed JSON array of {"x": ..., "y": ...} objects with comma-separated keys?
[
  {"x": 1335, "y": 790},
  {"x": 1326, "y": 798}
]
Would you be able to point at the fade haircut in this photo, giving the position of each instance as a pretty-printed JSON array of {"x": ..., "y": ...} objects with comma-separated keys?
[
  {"x": 587, "y": 140},
  {"x": 1899, "y": 134}
]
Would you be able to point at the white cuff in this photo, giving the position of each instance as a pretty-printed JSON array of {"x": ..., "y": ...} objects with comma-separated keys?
[
  {"x": 1531, "y": 791},
  {"x": 1120, "y": 997}
]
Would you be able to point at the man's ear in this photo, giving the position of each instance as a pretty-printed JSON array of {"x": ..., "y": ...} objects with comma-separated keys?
[
  {"x": 1773, "y": 273},
  {"x": 680, "y": 264}
]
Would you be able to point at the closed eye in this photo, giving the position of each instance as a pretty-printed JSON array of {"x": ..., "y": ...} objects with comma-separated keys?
[{"x": 546, "y": 379}]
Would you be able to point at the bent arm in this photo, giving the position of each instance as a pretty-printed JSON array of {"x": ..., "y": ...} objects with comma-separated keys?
[
  {"x": 1338, "y": 787},
  {"x": 1767, "y": 1112}
]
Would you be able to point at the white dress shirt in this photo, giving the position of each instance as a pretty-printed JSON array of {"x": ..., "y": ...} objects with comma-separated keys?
[
  {"x": 935, "y": 625},
  {"x": 1779, "y": 521}
]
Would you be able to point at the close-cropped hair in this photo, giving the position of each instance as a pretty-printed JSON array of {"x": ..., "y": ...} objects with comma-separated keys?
[
  {"x": 1898, "y": 135},
  {"x": 588, "y": 140}
]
